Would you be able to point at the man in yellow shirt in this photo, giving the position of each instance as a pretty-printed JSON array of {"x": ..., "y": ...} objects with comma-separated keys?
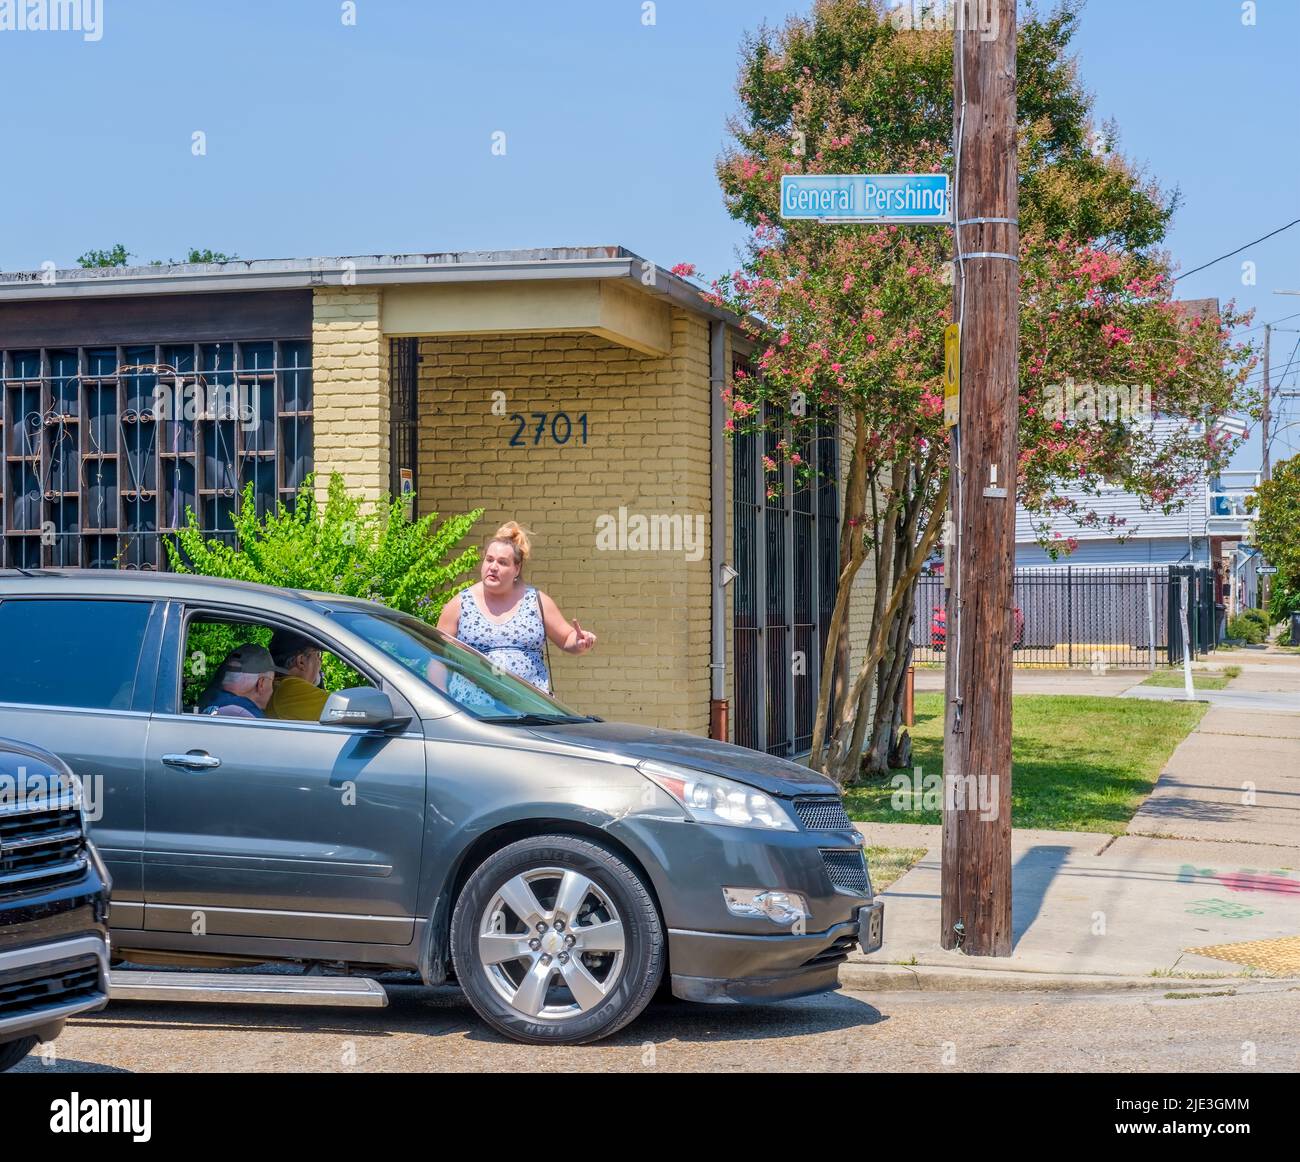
[{"x": 297, "y": 694}]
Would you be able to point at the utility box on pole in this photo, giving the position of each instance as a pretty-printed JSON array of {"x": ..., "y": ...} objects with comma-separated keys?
[{"x": 976, "y": 888}]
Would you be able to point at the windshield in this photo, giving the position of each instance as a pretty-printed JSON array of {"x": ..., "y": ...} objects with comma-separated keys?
[{"x": 454, "y": 670}]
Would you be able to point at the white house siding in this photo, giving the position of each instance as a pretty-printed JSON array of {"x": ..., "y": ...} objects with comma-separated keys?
[{"x": 1137, "y": 551}]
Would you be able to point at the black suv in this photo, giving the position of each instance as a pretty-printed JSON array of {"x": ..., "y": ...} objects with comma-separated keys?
[{"x": 53, "y": 902}]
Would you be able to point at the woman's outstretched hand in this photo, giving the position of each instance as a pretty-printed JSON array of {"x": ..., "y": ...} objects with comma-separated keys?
[{"x": 582, "y": 640}]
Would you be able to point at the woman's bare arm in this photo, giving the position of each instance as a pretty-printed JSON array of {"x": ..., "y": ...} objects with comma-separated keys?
[{"x": 567, "y": 635}]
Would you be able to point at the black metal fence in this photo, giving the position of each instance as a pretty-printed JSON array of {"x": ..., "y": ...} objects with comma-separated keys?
[{"x": 1125, "y": 616}]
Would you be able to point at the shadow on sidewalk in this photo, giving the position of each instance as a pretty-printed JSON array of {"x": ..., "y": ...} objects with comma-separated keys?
[{"x": 1031, "y": 875}]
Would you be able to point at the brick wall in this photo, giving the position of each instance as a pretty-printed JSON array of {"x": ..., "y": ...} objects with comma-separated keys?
[
  {"x": 350, "y": 359},
  {"x": 646, "y": 450}
]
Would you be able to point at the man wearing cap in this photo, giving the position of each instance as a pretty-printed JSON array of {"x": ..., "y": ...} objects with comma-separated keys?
[
  {"x": 243, "y": 685},
  {"x": 297, "y": 694}
]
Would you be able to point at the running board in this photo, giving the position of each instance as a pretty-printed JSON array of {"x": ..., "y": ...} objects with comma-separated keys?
[{"x": 247, "y": 988}]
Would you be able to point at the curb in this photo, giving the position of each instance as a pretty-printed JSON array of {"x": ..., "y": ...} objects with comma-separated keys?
[{"x": 866, "y": 977}]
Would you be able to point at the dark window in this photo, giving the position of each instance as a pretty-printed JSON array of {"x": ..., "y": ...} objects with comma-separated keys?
[
  {"x": 404, "y": 419},
  {"x": 71, "y": 653},
  {"x": 109, "y": 448}
]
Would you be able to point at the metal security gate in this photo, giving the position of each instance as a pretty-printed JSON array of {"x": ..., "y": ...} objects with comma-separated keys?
[
  {"x": 787, "y": 557},
  {"x": 403, "y": 419},
  {"x": 1083, "y": 616},
  {"x": 109, "y": 448}
]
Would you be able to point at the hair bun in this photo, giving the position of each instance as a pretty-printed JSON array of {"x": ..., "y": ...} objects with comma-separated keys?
[{"x": 515, "y": 534}]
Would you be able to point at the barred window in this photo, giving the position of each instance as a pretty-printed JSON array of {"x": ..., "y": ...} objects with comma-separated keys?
[{"x": 108, "y": 448}]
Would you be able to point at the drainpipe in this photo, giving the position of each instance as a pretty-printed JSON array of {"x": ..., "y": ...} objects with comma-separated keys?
[{"x": 718, "y": 707}]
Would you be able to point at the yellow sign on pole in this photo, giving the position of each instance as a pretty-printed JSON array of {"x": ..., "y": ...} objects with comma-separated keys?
[{"x": 951, "y": 374}]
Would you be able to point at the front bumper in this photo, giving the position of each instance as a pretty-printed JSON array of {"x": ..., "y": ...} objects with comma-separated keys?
[
  {"x": 59, "y": 980},
  {"x": 717, "y": 968}
]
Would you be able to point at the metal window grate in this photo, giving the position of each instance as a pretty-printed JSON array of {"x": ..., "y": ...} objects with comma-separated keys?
[
  {"x": 404, "y": 418},
  {"x": 108, "y": 448}
]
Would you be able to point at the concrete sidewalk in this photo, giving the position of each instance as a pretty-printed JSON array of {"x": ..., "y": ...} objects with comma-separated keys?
[
  {"x": 1095, "y": 904},
  {"x": 1235, "y": 697},
  {"x": 1235, "y": 779},
  {"x": 1212, "y": 858}
]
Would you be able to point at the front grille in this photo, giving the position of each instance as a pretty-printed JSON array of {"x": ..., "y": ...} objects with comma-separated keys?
[
  {"x": 847, "y": 870},
  {"x": 823, "y": 814},
  {"x": 40, "y": 845},
  {"x": 30, "y": 990},
  {"x": 835, "y": 953}
]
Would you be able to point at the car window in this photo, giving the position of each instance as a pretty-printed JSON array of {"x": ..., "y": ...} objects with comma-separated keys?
[
  {"x": 209, "y": 641},
  {"x": 455, "y": 671},
  {"x": 71, "y": 652}
]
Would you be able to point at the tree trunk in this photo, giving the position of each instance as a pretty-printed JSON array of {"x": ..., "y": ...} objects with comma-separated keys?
[{"x": 891, "y": 678}]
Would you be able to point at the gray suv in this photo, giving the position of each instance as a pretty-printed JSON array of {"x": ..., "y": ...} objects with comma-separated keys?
[{"x": 438, "y": 815}]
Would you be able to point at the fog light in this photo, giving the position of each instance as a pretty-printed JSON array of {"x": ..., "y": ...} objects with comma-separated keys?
[{"x": 779, "y": 907}]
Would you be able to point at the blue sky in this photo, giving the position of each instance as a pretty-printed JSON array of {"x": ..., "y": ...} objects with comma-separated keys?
[{"x": 329, "y": 139}]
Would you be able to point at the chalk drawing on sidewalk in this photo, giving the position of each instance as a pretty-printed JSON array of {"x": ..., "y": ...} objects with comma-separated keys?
[
  {"x": 1280, "y": 881},
  {"x": 1225, "y": 909}
]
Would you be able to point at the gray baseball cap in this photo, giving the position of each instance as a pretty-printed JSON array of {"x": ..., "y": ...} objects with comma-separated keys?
[{"x": 249, "y": 658}]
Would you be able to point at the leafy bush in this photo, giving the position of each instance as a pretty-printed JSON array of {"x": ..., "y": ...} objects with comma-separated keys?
[
  {"x": 1246, "y": 628},
  {"x": 350, "y": 546},
  {"x": 1260, "y": 618}
]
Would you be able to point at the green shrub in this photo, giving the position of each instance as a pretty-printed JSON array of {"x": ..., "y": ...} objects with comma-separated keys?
[
  {"x": 350, "y": 546},
  {"x": 1246, "y": 628},
  {"x": 1261, "y": 618}
]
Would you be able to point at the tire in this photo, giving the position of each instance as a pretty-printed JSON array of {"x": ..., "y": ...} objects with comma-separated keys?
[
  {"x": 12, "y": 1052},
  {"x": 554, "y": 992}
]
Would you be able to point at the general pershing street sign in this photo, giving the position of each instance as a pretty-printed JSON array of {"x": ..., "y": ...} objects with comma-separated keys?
[{"x": 898, "y": 198}]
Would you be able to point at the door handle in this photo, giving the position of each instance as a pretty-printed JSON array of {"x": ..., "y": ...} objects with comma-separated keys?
[{"x": 195, "y": 760}]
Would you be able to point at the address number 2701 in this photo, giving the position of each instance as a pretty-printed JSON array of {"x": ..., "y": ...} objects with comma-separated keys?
[{"x": 557, "y": 427}]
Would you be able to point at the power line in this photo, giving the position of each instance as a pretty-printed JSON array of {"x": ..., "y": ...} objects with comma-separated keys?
[
  {"x": 1248, "y": 245},
  {"x": 1261, "y": 326}
]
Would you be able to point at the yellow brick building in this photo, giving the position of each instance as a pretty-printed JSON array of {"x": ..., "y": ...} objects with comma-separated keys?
[{"x": 575, "y": 391}]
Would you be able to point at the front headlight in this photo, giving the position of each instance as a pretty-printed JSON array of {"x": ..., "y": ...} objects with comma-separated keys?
[{"x": 712, "y": 799}]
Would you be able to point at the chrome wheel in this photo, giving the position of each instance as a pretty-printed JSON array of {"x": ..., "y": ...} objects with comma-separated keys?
[{"x": 551, "y": 943}]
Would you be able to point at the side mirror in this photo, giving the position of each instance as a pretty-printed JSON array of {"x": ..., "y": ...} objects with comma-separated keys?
[{"x": 361, "y": 706}]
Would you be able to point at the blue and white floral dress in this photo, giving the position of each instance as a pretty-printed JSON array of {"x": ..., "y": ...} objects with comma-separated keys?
[{"x": 515, "y": 645}]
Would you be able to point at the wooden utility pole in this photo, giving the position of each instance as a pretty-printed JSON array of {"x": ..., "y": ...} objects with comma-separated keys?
[{"x": 977, "y": 739}]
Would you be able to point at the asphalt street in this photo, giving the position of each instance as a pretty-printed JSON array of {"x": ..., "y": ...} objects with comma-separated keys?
[{"x": 434, "y": 1030}]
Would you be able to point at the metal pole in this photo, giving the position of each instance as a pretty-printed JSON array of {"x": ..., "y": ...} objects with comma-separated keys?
[
  {"x": 1188, "y": 687},
  {"x": 1151, "y": 619}
]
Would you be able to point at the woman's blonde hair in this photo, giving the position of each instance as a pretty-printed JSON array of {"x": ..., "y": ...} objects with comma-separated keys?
[{"x": 514, "y": 534}]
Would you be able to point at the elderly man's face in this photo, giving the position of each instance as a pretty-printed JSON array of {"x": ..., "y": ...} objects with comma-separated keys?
[{"x": 306, "y": 666}]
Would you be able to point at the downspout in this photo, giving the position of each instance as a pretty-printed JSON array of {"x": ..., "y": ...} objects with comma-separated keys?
[{"x": 718, "y": 706}]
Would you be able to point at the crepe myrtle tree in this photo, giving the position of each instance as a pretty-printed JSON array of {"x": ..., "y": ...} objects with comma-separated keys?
[
  {"x": 854, "y": 335},
  {"x": 848, "y": 320}
]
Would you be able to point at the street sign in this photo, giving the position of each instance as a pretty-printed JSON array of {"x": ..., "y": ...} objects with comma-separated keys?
[
  {"x": 1267, "y": 570},
  {"x": 899, "y": 198},
  {"x": 951, "y": 375}
]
